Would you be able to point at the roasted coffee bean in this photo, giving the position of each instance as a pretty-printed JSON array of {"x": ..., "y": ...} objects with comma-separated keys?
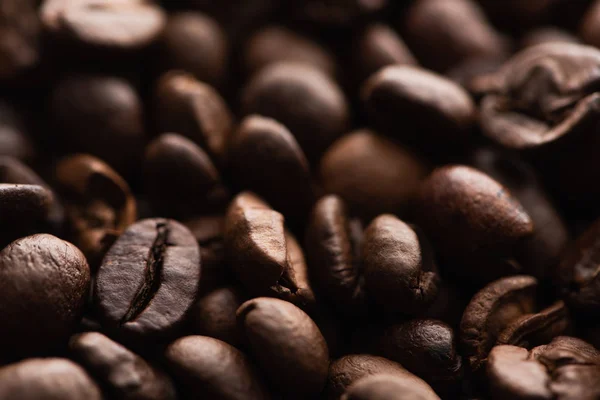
[
  {"x": 148, "y": 280},
  {"x": 547, "y": 35},
  {"x": 47, "y": 379},
  {"x": 275, "y": 43},
  {"x": 336, "y": 12},
  {"x": 473, "y": 220},
  {"x": 180, "y": 178},
  {"x": 372, "y": 174},
  {"x": 445, "y": 33},
  {"x": 214, "y": 315},
  {"x": 98, "y": 201},
  {"x": 20, "y": 39},
  {"x": 349, "y": 369},
  {"x": 427, "y": 348},
  {"x": 194, "y": 42},
  {"x": 490, "y": 311},
  {"x": 122, "y": 373},
  {"x": 43, "y": 285},
  {"x": 333, "y": 244},
  {"x": 287, "y": 344},
  {"x": 15, "y": 140},
  {"x": 567, "y": 368},
  {"x": 266, "y": 159},
  {"x": 304, "y": 99},
  {"x": 399, "y": 266},
  {"x": 212, "y": 369},
  {"x": 390, "y": 387},
  {"x": 189, "y": 107},
  {"x": 104, "y": 24},
  {"x": 264, "y": 256},
  {"x": 419, "y": 107},
  {"x": 102, "y": 116}
]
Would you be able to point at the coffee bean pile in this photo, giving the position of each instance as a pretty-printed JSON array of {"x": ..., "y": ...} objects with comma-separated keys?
[{"x": 299, "y": 199}]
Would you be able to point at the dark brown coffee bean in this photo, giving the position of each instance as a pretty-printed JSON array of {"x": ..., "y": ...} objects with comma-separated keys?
[
  {"x": 122, "y": 373},
  {"x": 473, "y": 220},
  {"x": 287, "y": 345},
  {"x": 47, "y": 379},
  {"x": 102, "y": 116},
  {"x": 547, "y": 34},
  {"x": 399, "y": 266},
  {"x": 490, "y": 311},
  {"x": 15, "y": 140},
  {"x": 106, "y": 24},
  {"x": 427, "y": 348},
  {"x": 276, "y": 43},
  {"x": 214, "y": 315},
  {"x": 98, "y": 201},
  {"x": 211, "y": 369},
  {"x": 419, "y": 107},
  {"x": 194, "y": 42},
  {"x": 265, "y": 257},
  {"x": 189, "y": 107},
  {"x": 43, "y": 285},
  {"x": 349, "y": 369},
  {"x": 19, "y": 42},
  {"x": 333, "y": 243},
  {"x": 390, "y": 387},
  {"x": 445, "y": 33},
  {"x": 567, "y": 368},
  {"x": 148, "y": 280},
  {"x": 302, "y": 98},
  {"x": 180, "y": 179},
  {"x": 336, "y": 12},
  {"x": 377, "y": 46},
  {"x": 266, "y": 159},
  {"x": 372, "y": 174}
]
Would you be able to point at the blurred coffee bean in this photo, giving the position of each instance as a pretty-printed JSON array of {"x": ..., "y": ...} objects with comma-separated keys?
[
  {"x": 20, "y": 39},
  {"x": 390, "y": 387}
]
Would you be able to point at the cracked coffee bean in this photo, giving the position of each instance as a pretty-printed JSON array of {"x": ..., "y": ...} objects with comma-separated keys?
[{"x": 148, "y": 280}]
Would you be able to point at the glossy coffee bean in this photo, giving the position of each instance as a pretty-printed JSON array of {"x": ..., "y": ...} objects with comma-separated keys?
[
  {"x": 390, "y": 387},
  {"x": 15, "y": 140},
  {"x": 208, "y": 368},
  {"x": 47, "y": 379},
  {"x": 43, "y": 286},
  {"x": 194, "y": 109},
  {"x": 287, "y": 344},
  {"x": 472, "y": 219},
  {"x": 20, "y": 42},
  {"x": 148, "y": 280},
  {"x": 99, "y": 203},
  {"x": 264, "y": 256},
  {"x": 372, "y": 174},
  {"x": 399, "y": 266},
  {"x": 180, "y": 179},
  {"x": 302, "y": 98},
  {"x": 266, "y": 159},
  {"x": 122, "y": 373}
]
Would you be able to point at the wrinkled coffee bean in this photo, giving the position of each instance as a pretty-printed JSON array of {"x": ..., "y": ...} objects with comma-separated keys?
[
  {"x": 390, "y": 387},
  {"x": 48, "y": 378},
  {"x": 148, "y": 280},
  {"x": 43, "y": 285},
  {"x": 124, "y": 374},
  {"x": 209, "y": 368},
  {"x": 287, "y": 344},
  {"x": 99, "y": 204}
]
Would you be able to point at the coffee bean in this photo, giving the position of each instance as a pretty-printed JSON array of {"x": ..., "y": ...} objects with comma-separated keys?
[
  {"x": 390, "y": 387},
  {"x": 194, "y": 42},
  {"x": 473, "y": 220},
  {"x": 46, "y": 379},
  {"x": 372, "y": 174},
  {"x": 180, "y": 179},
  {"x": 99, "y": 203},
  {"x": 287, "y": 345},
  {"x": 20, "y": 41},
  {"x": 399, "y": 267},
  {"x": 264, "y": 256},
  {"x": 266, "y": 159},
  {"x": 43, "y": 285},
  {"x": 273, "y": 44},
  {"x": 148, "y": 280},
  {"x": 122, "y": 373},
  {"x": 302, "y": 98},
  {"x": 191, "y": 108},
  {"x": 208, "y": 368}
]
